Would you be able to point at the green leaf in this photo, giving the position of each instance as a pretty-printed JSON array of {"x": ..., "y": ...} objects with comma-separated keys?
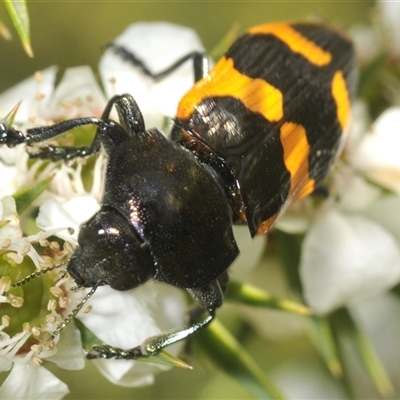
[
  {"x": 320, "y": 333},
  {"x": 9, "y": 118},
  {"x": 251, "y": 295},
  {"x": 373, "y": 364},
  {"x": 318, "y": 328},
  {"x": 164, "y": 358},
  {"x": 228, "y": 354},
  {"x": 347, "y": 327},
  {"x": 18, "y": 12},
  {"x": 26, "y": 196}
]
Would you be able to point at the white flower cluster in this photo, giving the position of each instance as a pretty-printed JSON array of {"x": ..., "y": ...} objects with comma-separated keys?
[
  {"x": 351, "y": 249},
  {"x": 16, "y": 351}
]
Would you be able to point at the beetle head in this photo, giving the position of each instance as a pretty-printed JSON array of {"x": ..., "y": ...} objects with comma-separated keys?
[{"x": 110, "y": 253}]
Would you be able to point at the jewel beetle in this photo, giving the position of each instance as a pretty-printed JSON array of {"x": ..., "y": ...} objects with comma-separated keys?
[{"x": 255, "y": 133}]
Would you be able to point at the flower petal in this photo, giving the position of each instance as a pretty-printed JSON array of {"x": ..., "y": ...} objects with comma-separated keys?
[
  {"x": 390, "y": 11},
  {"x": 77, "y": 95},
  {"x": 27, "y": 381},
  {"x": 251, "y": 250},
  {"x": 158, "y": 45},
  {"x": 9, "y": 213},
  {"x": 377, "y": 154},
  {"x": 126, "y": 319},
  {"x": 69, "y": 350},
  {"x": 355, "y": 193},
  {"x": 27, "y": 91},
  {"x": 53, "y": 214},
  {"x": 367, "y": 42},
  {"x": 345, "y": 258},
  {"x": 385, "y": 211}
]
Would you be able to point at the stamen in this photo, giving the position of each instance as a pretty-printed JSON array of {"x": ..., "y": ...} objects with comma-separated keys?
[
  {"x": 39, "y": 96},
  {"x": 6, "y": 243},
  {"x": 63, "y": 301},
  {"x": 68, "y": 247},
  {"x": 50, "y": 344},
  {"x": 37, "y": 361},
  {"x": 5, "y": 284},
  {"x": 43, "y": 242},
  {"x": 75, "y": 311},
  {"x": 38, "y": 77},
  {"x": 56, "y": 291},
  {"x": 5, "y": 321},
  {"x": 87, "y": 309},
  {"x": 15, "y": 301},
  {"x": 36, "y": 348},
  {"x": 26, "y": 327},
  {"x": 50, "y": 318},
  {"x": 26, "y": 249},
  {"x": 36, "y": 332},
  {"x": 51, "y": 305},
  {"x": 54, "y": 246}
]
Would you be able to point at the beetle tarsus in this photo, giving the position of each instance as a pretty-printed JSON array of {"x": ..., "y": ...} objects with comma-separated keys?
[
  {"x": 9, "y": 136},
  {"x": 150, "y": 346}
]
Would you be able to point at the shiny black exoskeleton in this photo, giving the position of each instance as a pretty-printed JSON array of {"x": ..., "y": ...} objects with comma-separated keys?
[{"x": 164, "y": 216}]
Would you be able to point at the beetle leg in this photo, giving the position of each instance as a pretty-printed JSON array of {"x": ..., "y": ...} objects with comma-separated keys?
[
  {"x": 130, "y": 118},
  {"x": 200, "y": 63},
  {"x": 209, "y": 297},
  {"x": 10, "y": 136},
  {"x": 36, "y": 136}
]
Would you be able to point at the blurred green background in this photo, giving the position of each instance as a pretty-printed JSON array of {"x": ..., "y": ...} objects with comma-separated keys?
[{"x": 71, "y": 33}]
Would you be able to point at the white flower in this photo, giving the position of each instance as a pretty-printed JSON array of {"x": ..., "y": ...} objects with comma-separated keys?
[
  {"x": 367, "y": 42},
  {"x": 158, "y": 45},
  {"x": 23, "y": 352},
  {"x": 251, "y": 250},
  {"x": 352, "y": 249},
  {"x": 77, "y": 95},
  {"x": 126, "y": 319},
  {"x": 30, "y": 382},
  {"x": 11, "y": 236},
  {"x": 390, "y": 14},
  {"x": 13, "y": 169},
  {"x": 377, "y": 155},
  {"x": 347, "y": 257},
  {"x": 34, "y": 93}
]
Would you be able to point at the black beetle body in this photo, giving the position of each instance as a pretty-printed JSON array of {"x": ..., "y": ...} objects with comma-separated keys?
[
  {"x": 154, "y": 219},
  {"x": 259, "y": 131}
]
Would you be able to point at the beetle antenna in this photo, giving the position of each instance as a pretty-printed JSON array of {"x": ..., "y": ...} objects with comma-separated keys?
[
  {"x": 40, "y": 272},
  {"x": 73, "y": 313}
]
